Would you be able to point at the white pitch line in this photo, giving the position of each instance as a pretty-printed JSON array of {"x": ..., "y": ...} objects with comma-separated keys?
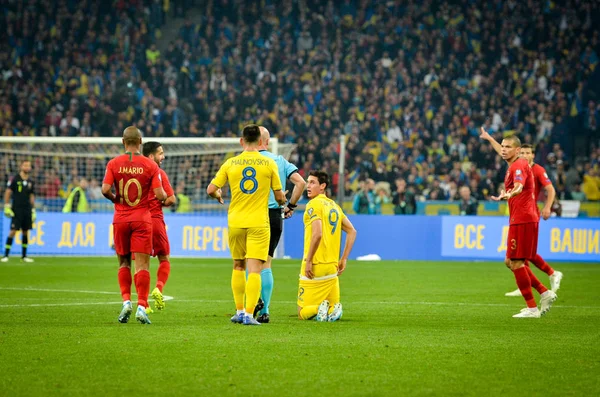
[
  {"x": 401, "y": 303},
  {"x": 165, "y": 297}
]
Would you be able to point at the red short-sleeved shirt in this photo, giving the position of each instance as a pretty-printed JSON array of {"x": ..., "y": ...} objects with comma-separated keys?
[
  {"x": 155, "y": 205},
  {"x": 522, "y": 207},
  {"x": 134, "y": 177},
  {"x": 541, "y": 179}
]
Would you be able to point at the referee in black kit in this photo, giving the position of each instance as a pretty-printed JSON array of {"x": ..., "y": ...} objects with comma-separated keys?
[{"x": 22, "y": 209}]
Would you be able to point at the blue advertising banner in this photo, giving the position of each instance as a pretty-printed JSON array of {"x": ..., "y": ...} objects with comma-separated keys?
[
  {"x": 91, "y": 234},
  {"x": 391, "y": 237},
  {"x": 485, "y": 238}
]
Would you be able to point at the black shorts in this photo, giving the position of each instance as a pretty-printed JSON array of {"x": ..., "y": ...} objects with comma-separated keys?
[
  {"x": 276, "y": 223},
  {"x": 21, "y": 221}
]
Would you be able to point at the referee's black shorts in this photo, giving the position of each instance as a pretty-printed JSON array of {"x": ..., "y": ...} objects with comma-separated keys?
[
  {"x": 21, "y": 220},
  {"x": 276, "y": 223}
]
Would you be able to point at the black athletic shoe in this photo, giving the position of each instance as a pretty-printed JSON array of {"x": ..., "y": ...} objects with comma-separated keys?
[
  {"x": 259, "y": 306},
  {"x": 263, "y": 318}
]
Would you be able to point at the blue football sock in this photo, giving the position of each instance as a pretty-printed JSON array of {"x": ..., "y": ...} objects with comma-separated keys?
[{"x": 266, "y": 277}]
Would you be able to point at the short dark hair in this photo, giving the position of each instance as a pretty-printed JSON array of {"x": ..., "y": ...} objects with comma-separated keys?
[
  {"x": 251, "y": 133},
  {"x": 150, "y": 148},
  {"x": 322, "y": 176},
  {"x": 515, "y": 139},
  {"x": 528, "y": 146}
]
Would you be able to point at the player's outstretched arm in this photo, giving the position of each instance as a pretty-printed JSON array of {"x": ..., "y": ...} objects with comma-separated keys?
[
  {"x": 315, "y": 240},
  {"x": 280, "y": 197},
  {"x": 350, "y": 231},
  {"x": 485, "y": 135},
  {"x": 107, "y": 192},
  {"x": 550, "y": 195},
  {"x": 215, "y": 192},
  {"x": 518, "y": 189},
  {"x": 299, "y": 186}
]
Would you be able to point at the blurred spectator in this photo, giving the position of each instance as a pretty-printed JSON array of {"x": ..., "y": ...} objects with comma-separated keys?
[
  {"x": 77, "y": 200},
  {"x": 95, "y": 191},
  {"x": 382, "y": 196},
  {"x": 403, "y": 199},
  {"x": 467, "y": 205},
  {"x": 591, "y": 185},
  {"x": 364, "y": 199},
  {"x": 183, "y": 204}
]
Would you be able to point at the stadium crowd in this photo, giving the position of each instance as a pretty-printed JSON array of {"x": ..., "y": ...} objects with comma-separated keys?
[{"x": 407, "y": 83}]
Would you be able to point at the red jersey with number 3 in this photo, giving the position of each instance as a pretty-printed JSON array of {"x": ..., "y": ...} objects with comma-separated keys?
[
  {"x": 134, "y": 177},
  {"x": 156, "y": 206},
  {"x": 522, "y": 207},
  {"x": 540, "y": 178}
]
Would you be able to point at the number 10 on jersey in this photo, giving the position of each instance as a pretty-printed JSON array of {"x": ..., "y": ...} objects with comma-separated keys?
[{"x": 124, "y": 192}]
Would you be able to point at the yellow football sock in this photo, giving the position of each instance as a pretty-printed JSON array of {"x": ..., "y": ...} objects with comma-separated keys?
[
  {"x": 252, "y": 291},
  {"x": 308, "y": 312},
  {"x": 238, "y": 286}
]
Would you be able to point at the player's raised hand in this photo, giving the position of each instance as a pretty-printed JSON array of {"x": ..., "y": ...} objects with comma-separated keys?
[
  {"x": 308, "y": 270},
  {"x": 484, "y": 134},
  {"x": 341, "y": 266}
]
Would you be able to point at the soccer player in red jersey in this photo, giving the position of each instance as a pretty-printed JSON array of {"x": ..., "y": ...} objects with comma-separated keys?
[
  {"x": 160, "y": 241},
  {"x": 133, "y": 177},
  {"x": 523, "y": 230},
  {"x": 541, "y": 180}
]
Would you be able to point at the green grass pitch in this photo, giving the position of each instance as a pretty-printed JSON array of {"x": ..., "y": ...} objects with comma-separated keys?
[{"x": 409, "y": 328}]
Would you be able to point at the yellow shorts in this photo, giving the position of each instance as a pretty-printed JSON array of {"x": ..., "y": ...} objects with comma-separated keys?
[
  {"x": 249, "y": 243},
  {"x": 325, "y": 285}
]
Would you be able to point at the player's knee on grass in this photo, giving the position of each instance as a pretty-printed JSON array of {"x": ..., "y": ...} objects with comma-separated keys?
[
  {"x": 507, "y": 262},
  {"x": 239, "y": 264}
]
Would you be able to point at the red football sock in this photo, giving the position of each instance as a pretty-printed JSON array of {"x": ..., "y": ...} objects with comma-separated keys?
[
  {"x": 142, "y": 286},
  {"x": 524, "y": 284},
  {"x": 125, "y": 282},
  {"x": 535, "y": 283},
  {"x": 541, "y": 264},
  {"x": 162, "y": 275}
]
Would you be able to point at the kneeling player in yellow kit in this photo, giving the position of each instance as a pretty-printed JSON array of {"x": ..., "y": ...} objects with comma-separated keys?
[{"x": 324, "y": 220}]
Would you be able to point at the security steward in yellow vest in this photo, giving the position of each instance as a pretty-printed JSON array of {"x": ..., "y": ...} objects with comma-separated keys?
[{"x": 77, "y": 201}]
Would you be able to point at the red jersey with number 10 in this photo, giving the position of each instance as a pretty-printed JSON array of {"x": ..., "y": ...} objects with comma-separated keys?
[
  {"x": 134, "y": 177},
  {"x": 522, "y": 207},
  {"x": 156, "y": 206}
]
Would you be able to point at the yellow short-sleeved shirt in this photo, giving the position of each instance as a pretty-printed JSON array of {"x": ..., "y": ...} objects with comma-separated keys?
[
  {"x": 251, "y": 177},
  {"x": 331, "y": 216}
]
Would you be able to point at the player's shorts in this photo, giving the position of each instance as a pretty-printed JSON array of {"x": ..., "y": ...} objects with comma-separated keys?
[
  {"x": 324, "y": 285},
  {"x": 21, "y": 221},
  {"x": 133, "y": 237},
  {"x": 249, "y": 243},
  {"x": 160, "y": 240},
  {"x": 276, "y": 223},
  {"x": 522, "y": 241}
]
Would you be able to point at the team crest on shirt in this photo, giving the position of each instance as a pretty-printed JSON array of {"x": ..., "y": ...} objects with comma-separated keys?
[
  {"x": 518, "y": 172},
  {"x": 310, "y": 212}
]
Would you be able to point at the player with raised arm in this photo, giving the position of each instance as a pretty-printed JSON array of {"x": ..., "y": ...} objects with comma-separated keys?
[
  {"x": 287, "y": 171},
  {"x": 519, "y": 190},
  {"x": 541, "y": 180},
  {"x": 160, "y": 241},
  {"x": 251, "y": 178},
  {"x": 19, "y": 204},
  {"x": 134, "y": 177},
  {"x": 324, "y": 221}
]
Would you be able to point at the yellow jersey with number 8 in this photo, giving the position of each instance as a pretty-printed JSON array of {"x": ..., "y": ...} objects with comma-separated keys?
[
  {"x": 251, "y": 177},
  {"x": 331, "y": 216}
]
